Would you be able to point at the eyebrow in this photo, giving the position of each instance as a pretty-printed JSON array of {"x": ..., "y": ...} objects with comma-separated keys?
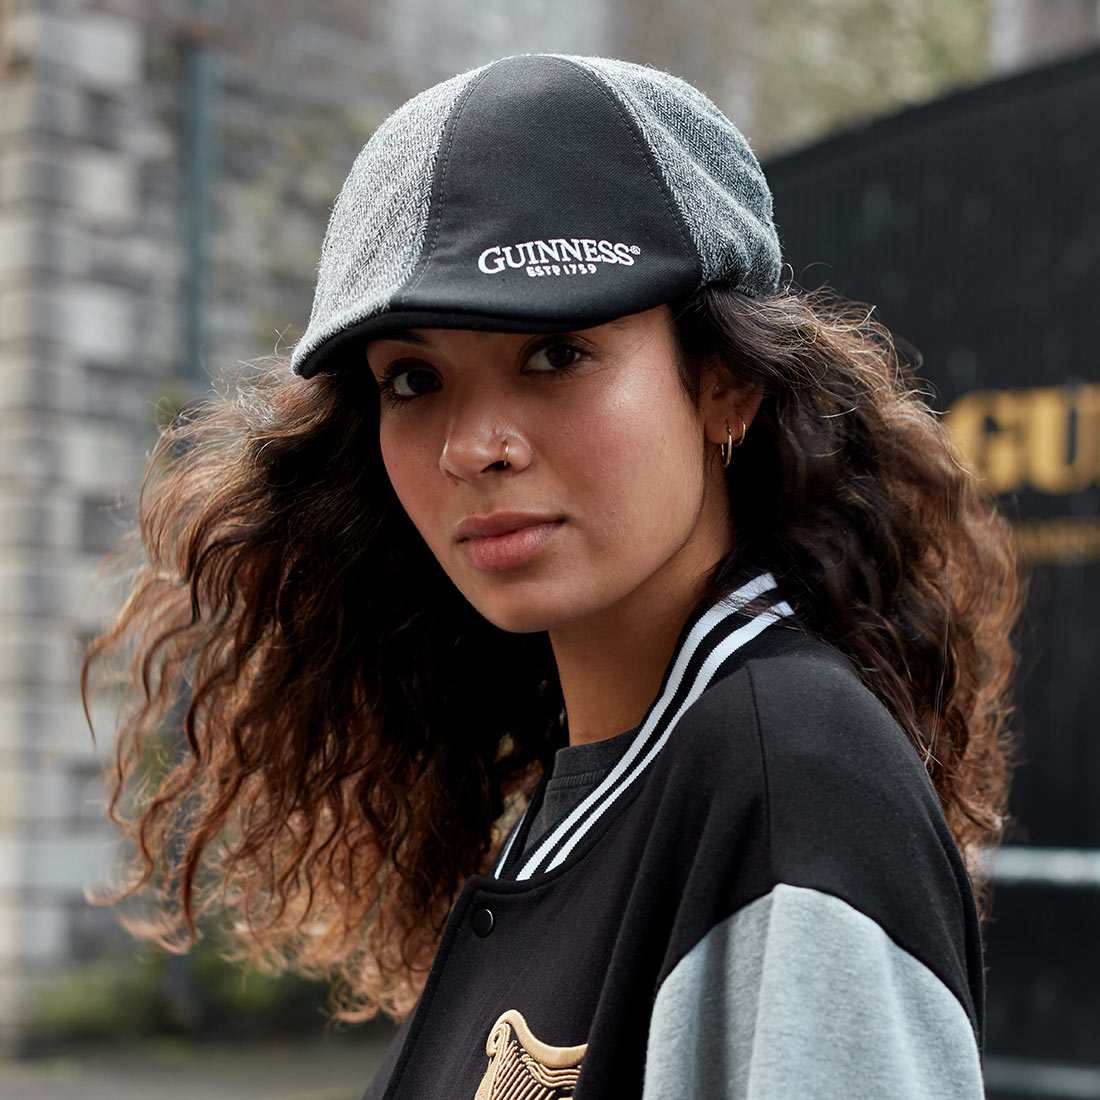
[{"x": 402, "y": 336}]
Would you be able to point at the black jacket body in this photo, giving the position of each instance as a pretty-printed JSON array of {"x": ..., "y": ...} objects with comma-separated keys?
[{"x": 784, "y": 772}]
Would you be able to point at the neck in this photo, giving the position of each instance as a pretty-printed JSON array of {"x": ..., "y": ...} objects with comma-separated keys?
[
  {"x": 610, "y": 670},
  {"x": 610, "y": 665}
]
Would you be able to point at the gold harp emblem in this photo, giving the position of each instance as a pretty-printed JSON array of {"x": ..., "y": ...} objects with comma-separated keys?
[{"x": 521, "y": 1066}]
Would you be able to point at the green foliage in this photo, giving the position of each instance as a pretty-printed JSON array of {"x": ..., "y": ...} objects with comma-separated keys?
[
  {"x": 105, "y": 998},
  {"x": 823, "y": 65},
  {"x": 200, "y": 995}
]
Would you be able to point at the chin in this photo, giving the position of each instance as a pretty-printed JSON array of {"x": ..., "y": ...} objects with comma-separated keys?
[
  {"x": 521, "y": 619},
  {"x": 525, "y": 612}
]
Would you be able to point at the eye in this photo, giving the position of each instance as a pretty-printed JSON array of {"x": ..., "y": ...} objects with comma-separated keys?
[
  {"x": 412, "y": 383},
  {"x": 402, "y": 381},
  {"x": 554, "y": 357}
]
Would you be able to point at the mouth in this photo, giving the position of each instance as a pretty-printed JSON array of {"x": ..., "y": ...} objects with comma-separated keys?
[
  {"x": 506, "y": 540},
  {"x": 499, "y": 523}
]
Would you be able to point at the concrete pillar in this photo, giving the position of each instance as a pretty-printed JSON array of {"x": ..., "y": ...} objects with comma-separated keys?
[{"x": 1028, "y": 32}]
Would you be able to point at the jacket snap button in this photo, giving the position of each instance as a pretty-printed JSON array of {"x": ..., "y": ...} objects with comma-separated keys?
[{"x": 482, "y": 922}]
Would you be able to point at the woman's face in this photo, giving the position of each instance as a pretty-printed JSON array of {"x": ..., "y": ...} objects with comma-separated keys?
[{"x": 608, "y": 501}]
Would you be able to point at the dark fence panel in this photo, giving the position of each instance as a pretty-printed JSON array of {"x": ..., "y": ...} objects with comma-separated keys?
[{"x": 973, "y": 225}]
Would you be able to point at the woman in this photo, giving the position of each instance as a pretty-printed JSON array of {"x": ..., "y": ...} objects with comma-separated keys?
[{"x": 575, "y": 516}]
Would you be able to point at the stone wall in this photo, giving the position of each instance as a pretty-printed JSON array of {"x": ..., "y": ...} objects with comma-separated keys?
[
  {"x": 75, "y": 263},
  {"x": 92, "y": 263}
]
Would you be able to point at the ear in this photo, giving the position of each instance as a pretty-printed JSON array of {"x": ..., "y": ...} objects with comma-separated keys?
[{"x": 724, "y": 407}]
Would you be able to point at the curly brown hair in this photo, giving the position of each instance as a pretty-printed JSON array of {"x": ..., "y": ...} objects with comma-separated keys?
[{"x": 356, "y": 735}]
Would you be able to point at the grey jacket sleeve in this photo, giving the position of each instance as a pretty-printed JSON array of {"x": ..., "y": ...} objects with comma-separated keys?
[{"x": 799, "y": 994}]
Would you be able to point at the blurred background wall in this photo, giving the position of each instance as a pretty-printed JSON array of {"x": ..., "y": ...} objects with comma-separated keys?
[{"x": 166, "y": 171}]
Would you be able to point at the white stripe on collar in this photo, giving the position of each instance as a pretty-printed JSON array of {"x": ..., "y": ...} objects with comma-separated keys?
[
  {"x": 659, "y": 722},
  {"x": 502, "y": 859}
]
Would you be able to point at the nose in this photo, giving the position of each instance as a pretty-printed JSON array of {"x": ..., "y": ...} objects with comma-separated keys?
[{"x": 473, "y": 450}]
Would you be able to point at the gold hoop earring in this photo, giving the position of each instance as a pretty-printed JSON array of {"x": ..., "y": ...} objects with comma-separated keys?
[{"x": 726, "y": 449}]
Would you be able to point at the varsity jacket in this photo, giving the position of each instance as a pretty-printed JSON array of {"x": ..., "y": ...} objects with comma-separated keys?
[{"x": 761, "y": 900}]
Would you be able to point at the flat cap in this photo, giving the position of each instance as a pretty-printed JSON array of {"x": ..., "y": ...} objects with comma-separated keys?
[{"x": 539, "y": 193}]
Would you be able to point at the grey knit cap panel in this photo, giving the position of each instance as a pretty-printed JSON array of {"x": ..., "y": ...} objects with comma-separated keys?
[
  {"x": 709, "y": 167},
  {"x": 376, "y": 231},
  {"x": 456, "y": 212}
]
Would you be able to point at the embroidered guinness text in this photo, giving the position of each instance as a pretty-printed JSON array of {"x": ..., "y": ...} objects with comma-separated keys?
[{"x": 557, "y": 256}]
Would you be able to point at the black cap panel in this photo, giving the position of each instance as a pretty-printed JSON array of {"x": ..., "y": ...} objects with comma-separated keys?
[{"x": 547, "y": 207}]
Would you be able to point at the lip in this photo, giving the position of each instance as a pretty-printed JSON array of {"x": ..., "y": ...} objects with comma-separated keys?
[
  {"x": 505, "y": 540},
  {"x": 499, "y": 523}
]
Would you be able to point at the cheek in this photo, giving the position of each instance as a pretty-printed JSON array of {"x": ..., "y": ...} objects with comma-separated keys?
[
  {"x": 406, "y": 468},
  {"x": 639, "y": 449}
]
